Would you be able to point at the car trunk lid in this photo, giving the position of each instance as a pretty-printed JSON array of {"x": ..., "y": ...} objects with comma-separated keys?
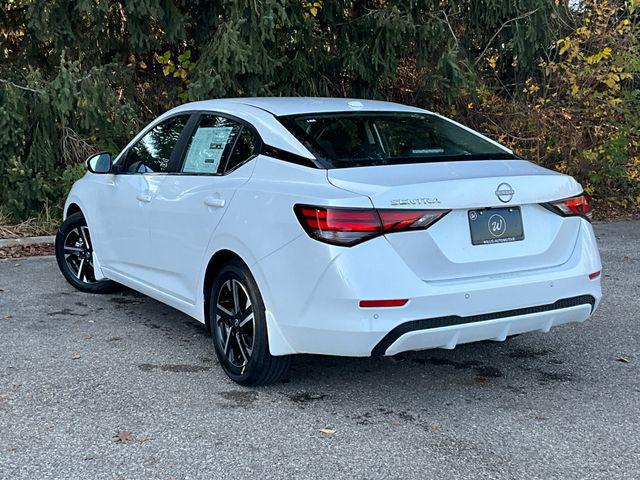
[{"x": 445, "y": 251}]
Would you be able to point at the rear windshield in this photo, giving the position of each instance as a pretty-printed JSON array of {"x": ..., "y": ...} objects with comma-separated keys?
[{"x": 355, "y": 139}]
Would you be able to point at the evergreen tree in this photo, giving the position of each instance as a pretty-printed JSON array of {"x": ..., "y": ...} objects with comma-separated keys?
[{"x": 81, "y": 76}]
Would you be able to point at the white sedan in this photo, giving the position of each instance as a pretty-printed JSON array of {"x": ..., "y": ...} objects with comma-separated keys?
[{"x": 331, "y": 226}]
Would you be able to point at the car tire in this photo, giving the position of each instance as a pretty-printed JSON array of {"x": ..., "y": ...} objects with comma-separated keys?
[
  {"x": 74, "y": 254},
  {"x": 238, "y": 326}
]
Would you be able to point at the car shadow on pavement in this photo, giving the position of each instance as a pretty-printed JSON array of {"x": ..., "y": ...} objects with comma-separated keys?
[{"x": 523, "y": 360}]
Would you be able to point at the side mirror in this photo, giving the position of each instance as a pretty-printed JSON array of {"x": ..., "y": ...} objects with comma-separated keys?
[{"x": 100, "y": 163}]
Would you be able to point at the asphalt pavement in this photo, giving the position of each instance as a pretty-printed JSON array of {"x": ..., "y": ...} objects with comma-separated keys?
[{"x": 123, "y": 387}]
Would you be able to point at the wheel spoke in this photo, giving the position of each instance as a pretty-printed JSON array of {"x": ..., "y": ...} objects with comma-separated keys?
[
  {"x": 236, "y": 302},
  {"x": 248, "y": 348},
  {"x": 227, "y": 343},
  {"x": 80, "y": 267},
  {"x": 241, "y": 347},
  {"x": 224, "y": 311},
  {"x": 247, "y": 319},
  {"x": 85, "y": 237},
  {"x": 68, "y": 249}
]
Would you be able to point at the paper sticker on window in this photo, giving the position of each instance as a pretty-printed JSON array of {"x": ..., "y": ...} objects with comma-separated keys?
[
  {"x": 206, "y": 149},
  {"x": 427, "y": 151}
]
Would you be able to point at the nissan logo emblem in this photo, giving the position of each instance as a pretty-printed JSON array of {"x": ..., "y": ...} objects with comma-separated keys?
[{"x": 504, "y": 192}]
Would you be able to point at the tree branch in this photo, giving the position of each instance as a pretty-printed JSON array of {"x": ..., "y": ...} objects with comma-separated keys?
[
  {"x": 446, "y": 19},
  {"x": 20, "y": 87},
  {"x": 486, "y": 47}
]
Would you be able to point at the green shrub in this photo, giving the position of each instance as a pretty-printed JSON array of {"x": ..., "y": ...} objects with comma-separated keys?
[{"x": 555, "y": 80}]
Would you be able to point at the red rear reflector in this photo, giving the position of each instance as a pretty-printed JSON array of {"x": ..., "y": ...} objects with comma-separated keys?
[
  {"x": 383, "y": 303},
  {"x": 349, "y": 226},
  {"x": 594, "y": 275},
  {"x": 574, "y": 206}
]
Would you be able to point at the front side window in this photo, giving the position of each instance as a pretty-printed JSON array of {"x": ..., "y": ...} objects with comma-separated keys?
[
  {"x": 152, "y": 153},
  {"x": 366, "y": 139},
  {"x": 210, "y": 145}
]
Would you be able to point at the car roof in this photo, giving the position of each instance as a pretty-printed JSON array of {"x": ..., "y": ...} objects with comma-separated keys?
[
  {"x": 301, "y": 105},
  {"x": 260, "y": 112}
]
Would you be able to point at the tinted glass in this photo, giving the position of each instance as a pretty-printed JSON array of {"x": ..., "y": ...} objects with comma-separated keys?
[
  {"x": 152, "y": 153},
  {"x": 363, "y": 139},
  {"x": 210, "y": 145},
  {"x": 244, "y": 148}
]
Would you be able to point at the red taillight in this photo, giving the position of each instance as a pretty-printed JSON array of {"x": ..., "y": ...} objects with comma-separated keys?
[
  {"x": 573, "y": 206},
  {"x": 399, "y": 220},
  {"x": 594, "y": 275},
  {"x": 349, "y": 226}
]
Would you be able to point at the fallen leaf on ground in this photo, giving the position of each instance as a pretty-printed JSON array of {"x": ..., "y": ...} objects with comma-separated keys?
[
  {"x": 328, "y": 431},
  {"x": 124, "y": 436},
  {"x": 435, "y": 425},
  {"x": 21, "y": 251},
  {"x": 75, "y": 357},
  {"x": 8, "y": 317},
  {"x": 623, "y": 359}
]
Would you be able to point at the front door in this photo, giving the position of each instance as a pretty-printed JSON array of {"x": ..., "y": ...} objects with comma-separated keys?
[{"x": 123, "y": 232}]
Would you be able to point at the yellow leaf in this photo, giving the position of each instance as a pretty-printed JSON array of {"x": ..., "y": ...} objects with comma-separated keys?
[
  {"x": 565, "y": 44},
  {"x": 583, "y": 31},
  {"x": 609, "y": 82},
  {"x": 328, "y": 431},
  {"x": 142, "y": 65}
]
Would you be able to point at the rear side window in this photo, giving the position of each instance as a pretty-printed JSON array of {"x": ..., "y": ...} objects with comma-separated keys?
[
  {"x": 153, "y": 152},
  {"x": 210, "y": 145},
  {"x": 349, "y": 139},
  {"x": 246, "y": 147}
]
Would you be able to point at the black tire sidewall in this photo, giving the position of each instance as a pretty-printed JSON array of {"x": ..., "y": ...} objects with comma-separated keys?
[
  {"x": 71, "y": 222},
  {"x": 238, "y": 271}
]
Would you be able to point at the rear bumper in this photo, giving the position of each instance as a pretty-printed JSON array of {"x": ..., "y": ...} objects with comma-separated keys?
[
  {"x": 316, "y": 309},
  {"x": 447, "y": 332}
]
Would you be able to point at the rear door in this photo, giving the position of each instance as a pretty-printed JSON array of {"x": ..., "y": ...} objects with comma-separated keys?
[{"x": 190, "y": 203}]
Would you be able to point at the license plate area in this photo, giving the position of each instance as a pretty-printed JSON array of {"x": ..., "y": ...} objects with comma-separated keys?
[{"x": 495, "y": 225}]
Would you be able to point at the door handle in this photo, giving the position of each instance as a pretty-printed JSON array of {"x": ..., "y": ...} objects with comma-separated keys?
[
  {"x": 144, "y": 197},
  {"x": 214, "y": 202}
]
